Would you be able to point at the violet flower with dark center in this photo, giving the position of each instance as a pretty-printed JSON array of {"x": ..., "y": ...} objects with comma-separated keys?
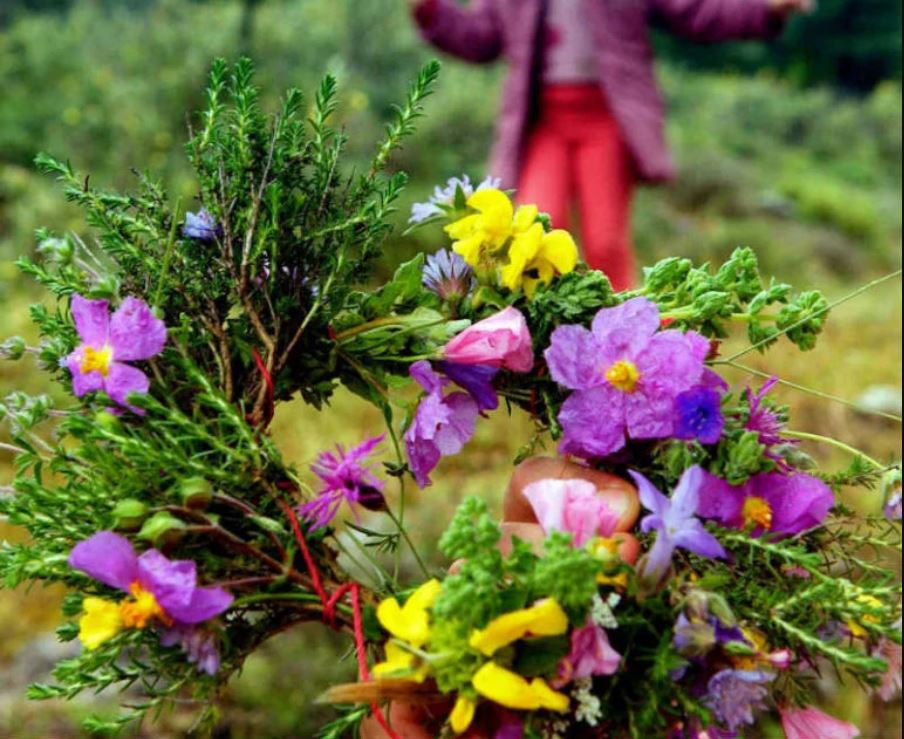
[
  {"x": 735, "y": 695},
  {"x": 441, "y": 425},
  {"x": 108, "y": 342},
  {"x": 448, "y": 275},
  {"x": 625, "y": 374},
  {"x": 346, "y": 478},
  {"x": 767, "y": 503},
  {"x": 698, "y": 415},
  {"x": 201, "y": 226},
  {"x": 477, "y": 379},
  {"x": 676, "y": 523}
]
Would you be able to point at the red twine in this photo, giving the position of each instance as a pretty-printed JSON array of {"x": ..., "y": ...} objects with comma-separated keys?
[
  {"x": 269, "y": 382},
  {"x": 329, "y": 610}
]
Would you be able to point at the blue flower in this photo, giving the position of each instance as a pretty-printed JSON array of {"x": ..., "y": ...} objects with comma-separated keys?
[
  {"x": 477, "y": 379},
  {"x": 446, "y": 274},
  {"x": 201, "y": 225},
  {"x": 443, "y": 198},
  {"x": 698, "y": 415},
  {"x": 675, "y": 521},
  {"x": 734, "y": 695}
]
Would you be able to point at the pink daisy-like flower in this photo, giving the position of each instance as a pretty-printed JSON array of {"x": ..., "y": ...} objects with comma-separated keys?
[
  {"x": 346, "y": 478},
  {"x": 625, "y": 374},
  {"x": 131, "y": 334}
]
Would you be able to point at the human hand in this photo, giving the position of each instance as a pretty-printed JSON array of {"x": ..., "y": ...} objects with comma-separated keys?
[
  {"x": 411, "y": 721},
  {"x": 784, "y": 8}
]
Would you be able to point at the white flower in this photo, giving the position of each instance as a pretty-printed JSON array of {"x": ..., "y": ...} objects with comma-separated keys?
[
  {"x": 589, "y": 709},
  {"x": 601, "y": 612}
]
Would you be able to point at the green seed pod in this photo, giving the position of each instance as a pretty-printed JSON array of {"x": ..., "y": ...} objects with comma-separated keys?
[
  {"x": 13, "y": 348},
  {"x": 129, "y": 514},
  {"x": 195, "y": 492},
  {"x": 106, "y": 420},
  {"x": 162, "y": 530}
]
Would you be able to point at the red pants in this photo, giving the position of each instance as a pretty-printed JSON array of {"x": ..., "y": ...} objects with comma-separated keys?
[{"x": 575, "y": 153}]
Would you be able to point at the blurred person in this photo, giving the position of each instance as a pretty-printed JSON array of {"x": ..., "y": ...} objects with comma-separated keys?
[
  {"x": 581, "y": 119},
  {"x": 424, "y": 720}
]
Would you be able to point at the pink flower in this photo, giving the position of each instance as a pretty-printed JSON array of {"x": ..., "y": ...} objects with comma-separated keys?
[
  {"x": 591, "y": 654},
  {"x": 502, "y": 340},
  {"x": 811, "y": 723},
  {"x": 573, "y": 506},
  {"x": 889, "y": 651}
]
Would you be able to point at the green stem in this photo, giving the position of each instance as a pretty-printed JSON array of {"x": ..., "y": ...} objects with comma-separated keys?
[
  {"x": 167, "y": 255},
  {"x": 414, "y": 551},
  {"x": 304, "y": 597},
  {"x": 809, "y": 390},
  {"x": 835, "y": 443}
]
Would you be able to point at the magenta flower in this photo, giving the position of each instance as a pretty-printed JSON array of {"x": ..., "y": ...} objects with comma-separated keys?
[
  {"x": 441, "y": 426},
  {"x": 573, "y": 506},
  {"x": 591, "y": 654},
  {"x": 735, "y": 695},
  {"x": 200, "y": 646},
  {"x": 502, "y": 340},
  {"x": 769, "y": 502},
  {"x": 811, "y": 723},
  {"x": 346, "y": 478},
  {"x": 166, "y": 589},
  {"x": 674, "y": 519},
  {"x": 625, "y": 374},
  {"x": 132, "y": 333},
  {"x": 767, "y": 423}
]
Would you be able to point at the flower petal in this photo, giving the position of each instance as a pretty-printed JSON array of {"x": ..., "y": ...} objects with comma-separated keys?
[
  {"x": 172, "y": 582},
  {"x": 626, "y": 328},
  {"x": 108, "y": 558},
  {"x": 205, "y": 603},
  {"x": 83, "y": 382},
  {"x": 650, "y": 497},
  {"x": 573, "y": 358},
  {"x": 135, "y": 332},
  {"x": 811, "y": 723},
  {"x": 92, "y": 319},
  {"x": 593, "y": 422},
  {"x": 122, "y": 380},
  {"x": 698, "y": 540}
]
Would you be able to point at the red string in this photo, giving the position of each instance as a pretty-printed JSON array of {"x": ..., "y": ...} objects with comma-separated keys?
[
  {"x": 269, "y": 381},
  {"x": 329, "y": 612}
]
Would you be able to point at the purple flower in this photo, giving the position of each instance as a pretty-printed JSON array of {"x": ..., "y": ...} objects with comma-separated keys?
[
  {"x": 201, "y": 225},
  {"x": 626, "y": 375},
  {"x": 200, "y": 646},
  {"x": 734, "y": 695},
  {"x": 893, "y": 509},
  {"x": 695, "y": 637},
  {"x": 441, "y": 425},
  {"x": 163, "y": 589},
  {"x": 345, "y": 478},
  {"x": 477, "y": 379},
  {"x": 132, "y": 333},
  {"x": 443, "y": 198},
  {"x": 675, "y": 522},
  {"x": 767, "y": 423},
  {"x": 698, "y": 415},
  {"x": 448, "y": 275},
  {"x": 591, "y": 653},
  {"x": 769, "y": 502}
]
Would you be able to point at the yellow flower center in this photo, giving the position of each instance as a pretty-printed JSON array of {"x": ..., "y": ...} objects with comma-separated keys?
[
  {"x": 97, "y": 360},
  {"x": 757, "y": 511},
  {"x": 141, "y": 609},
  {"x": 623, "y": 375},
  {"x": 100, "y": 622}
]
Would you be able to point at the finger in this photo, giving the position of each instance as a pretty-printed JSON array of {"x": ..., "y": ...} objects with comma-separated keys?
[
  {"x": 408, "y": 720},
  {"x": 619, "y": 494}
]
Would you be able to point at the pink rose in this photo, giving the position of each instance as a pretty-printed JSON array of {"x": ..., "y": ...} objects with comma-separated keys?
[
  {"x": 811, "y": 723},
  {"x": 502, "y": 340},
  {"x": 573, "y": 506}
]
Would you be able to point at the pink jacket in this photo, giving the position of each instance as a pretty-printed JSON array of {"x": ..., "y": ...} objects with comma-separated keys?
[{"x": 490, "y": 29}]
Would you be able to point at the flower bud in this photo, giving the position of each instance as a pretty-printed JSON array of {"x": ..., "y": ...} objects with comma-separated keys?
[
  {"x": 106, "y": 420},
  {"x": 162, "y": 530},
  {"x": 57, "y": 250},
  {"x": 13, "y": 348},
  {"x": 129, "y": 514},
  {"x": 195, "y": 492}
]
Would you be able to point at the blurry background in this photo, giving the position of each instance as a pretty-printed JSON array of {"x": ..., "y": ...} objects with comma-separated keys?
[{"x": 793, "y": 148}]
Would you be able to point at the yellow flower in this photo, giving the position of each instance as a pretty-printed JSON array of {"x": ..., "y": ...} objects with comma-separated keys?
[
  {"x": 462, "y": 714},
  {"x": 545, "y": 618},
  {"x": 141, "y": 609},
  {"x": 536, "y": 257},
  {"x": 513, "y": 691},
  {"x": 856, "y": 627},
  {"x": 486, "y": 230},
  {"x": 401, "y": 663},
  {"x": 101, "y": 622},
  {"x": 411, "y": 622}
]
